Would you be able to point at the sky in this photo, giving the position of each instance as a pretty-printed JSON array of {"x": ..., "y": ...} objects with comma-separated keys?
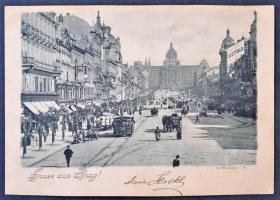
[{"x": 196, "y": 32}]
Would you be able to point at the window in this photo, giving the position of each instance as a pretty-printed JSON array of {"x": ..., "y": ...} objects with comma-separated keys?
[
  {"x": 41, "y": 85},
  {"x": 61, "y": 95},
  {"x": 36, "y": 84},
  {"x": 24, "y": 82},
  {"x": 45, "y": 85},
  {"x": 48, "y": 85}
]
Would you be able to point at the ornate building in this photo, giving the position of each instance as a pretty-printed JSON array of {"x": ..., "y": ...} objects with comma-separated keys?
[
  {"x": 112, "y": 61},
  {"x": 84, "y": 54},
  {"x": 238, "y": 70},
  {"x": 172, "y": 75},
  {"x": 66, "y": 60},
  {"x": 39, "y": 65}
]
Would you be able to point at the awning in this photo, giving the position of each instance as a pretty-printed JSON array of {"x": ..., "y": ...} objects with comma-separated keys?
[
  {"x": 31, "y": 107},
  {"x": 41, "y": 106},
  {"x": 53, "y": 105},
  {"x": 48, "y": 103}
]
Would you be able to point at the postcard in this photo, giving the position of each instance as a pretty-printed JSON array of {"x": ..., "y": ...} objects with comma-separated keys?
[{"x": 139, "y": 100}]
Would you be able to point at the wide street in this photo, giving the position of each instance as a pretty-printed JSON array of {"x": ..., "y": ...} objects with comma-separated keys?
[{"x": 215, "y": 140}]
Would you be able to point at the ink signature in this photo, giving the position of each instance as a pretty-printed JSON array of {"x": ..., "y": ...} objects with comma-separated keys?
[{"x": 163, "y": 181}]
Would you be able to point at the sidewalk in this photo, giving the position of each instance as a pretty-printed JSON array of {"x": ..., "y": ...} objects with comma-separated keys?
[{"x": 34, "y": 155}]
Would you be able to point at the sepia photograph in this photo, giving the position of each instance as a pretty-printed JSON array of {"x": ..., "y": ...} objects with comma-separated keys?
[{"x": 142, "y": 87}]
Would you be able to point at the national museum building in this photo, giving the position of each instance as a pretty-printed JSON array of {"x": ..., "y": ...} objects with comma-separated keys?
[{"x": 174, "y": 76}]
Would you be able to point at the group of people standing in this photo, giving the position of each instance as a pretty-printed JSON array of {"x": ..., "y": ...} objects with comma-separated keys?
[{"x": 35, "y": 133}]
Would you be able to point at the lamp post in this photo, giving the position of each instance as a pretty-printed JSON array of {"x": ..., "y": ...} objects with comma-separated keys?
[{"x": 76, "y": 92}]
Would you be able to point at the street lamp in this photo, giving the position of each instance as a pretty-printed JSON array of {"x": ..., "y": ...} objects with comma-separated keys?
[{"x": 76, "y": 93}]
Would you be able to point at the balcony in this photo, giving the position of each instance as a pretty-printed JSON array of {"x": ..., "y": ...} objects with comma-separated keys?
[{"x": 28, "y": 61}]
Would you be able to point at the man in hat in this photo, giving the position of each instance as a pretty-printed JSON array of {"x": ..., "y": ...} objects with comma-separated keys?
[
  {"x": 68, "y": 154},
  {"x": 176, "y": 161}
]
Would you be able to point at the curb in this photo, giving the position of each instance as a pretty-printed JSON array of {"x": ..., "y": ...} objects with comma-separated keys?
[{"x": 240, "y": 120}]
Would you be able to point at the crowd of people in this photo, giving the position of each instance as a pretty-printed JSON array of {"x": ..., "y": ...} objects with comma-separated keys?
[{"x": 83, "y": 123}]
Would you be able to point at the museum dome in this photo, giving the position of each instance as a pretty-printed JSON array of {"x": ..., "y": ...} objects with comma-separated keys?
[
  {"x": 171, "y": 53},
  {"x": 228, "y": 41}
]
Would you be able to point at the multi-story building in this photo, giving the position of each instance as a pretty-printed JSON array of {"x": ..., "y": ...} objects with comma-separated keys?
[
  {"x": 111, "y": 55},
  {"x": 174, "y": 76},
  {"x": 213, "y": 83},
  {"x": 68, "y": 61},
  {"x": 40, "y": 69},
  {"x": 78, "y": 48},
  {"x": 238, "y": 69}
]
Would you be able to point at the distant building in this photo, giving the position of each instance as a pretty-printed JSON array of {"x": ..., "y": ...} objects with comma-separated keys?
[
  {"x": 213, "y": 83},
  {"x": 174, "y": 76}
]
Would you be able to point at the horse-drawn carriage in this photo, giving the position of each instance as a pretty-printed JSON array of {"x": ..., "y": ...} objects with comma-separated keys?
[
  {"x": 203, "y": 112},
  {"x": 171, "y": 122},
  {"x": 123, "y": 126},
  {"x": 154, "y": 112}
]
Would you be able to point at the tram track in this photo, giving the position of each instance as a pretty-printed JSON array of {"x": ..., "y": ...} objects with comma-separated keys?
[
  {"x": 119, "y": 148},
  {"x": 158, "y": 120}
]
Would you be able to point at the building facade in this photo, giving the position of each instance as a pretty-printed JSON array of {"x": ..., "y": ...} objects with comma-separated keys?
[
  {"x": 238, "y": 70},
  {"x": 38, "y": 40},
  {"x": 68, "y": 61},
  {"x": 174, "y": 76},
  {"x": 78, "y": 79}
]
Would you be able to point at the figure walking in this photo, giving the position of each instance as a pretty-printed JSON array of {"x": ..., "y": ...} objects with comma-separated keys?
[
  {"x": 157, "y": 134},
  {"x": 197, "y": 119},
  {"x": 68, "y": 154},
  {"x": 63, "y": 124},
  {"x": 176, "y": 161}
]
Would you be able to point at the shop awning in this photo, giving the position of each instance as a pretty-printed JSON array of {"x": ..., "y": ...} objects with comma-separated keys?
[
  {"x": 41, "y": 106},
  {"x": 31, "y": 108},
  {"x": 52, "y": 104}
]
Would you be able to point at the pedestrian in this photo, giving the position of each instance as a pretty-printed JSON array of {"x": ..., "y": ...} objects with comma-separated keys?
[
  {"x": 84, "y": 128},
  {"x": 53, "y": 132},
  {"x": 176, "y": 161},
  {"x": 157, "y": 134},
  {"x": 68, "y": 154},
  {"x": 63, "y": 124},
  {"x": 197, "y": 119},
  {"x": 40, "y": 133}
]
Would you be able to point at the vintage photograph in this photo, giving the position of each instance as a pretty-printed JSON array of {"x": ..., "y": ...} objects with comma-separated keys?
[
  {"x": 104, "y": 89},
  {"x": 155, "y": 100}
]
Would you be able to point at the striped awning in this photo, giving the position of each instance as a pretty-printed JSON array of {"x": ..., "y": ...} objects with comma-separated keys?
[{"x": 37, "y": 107}]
